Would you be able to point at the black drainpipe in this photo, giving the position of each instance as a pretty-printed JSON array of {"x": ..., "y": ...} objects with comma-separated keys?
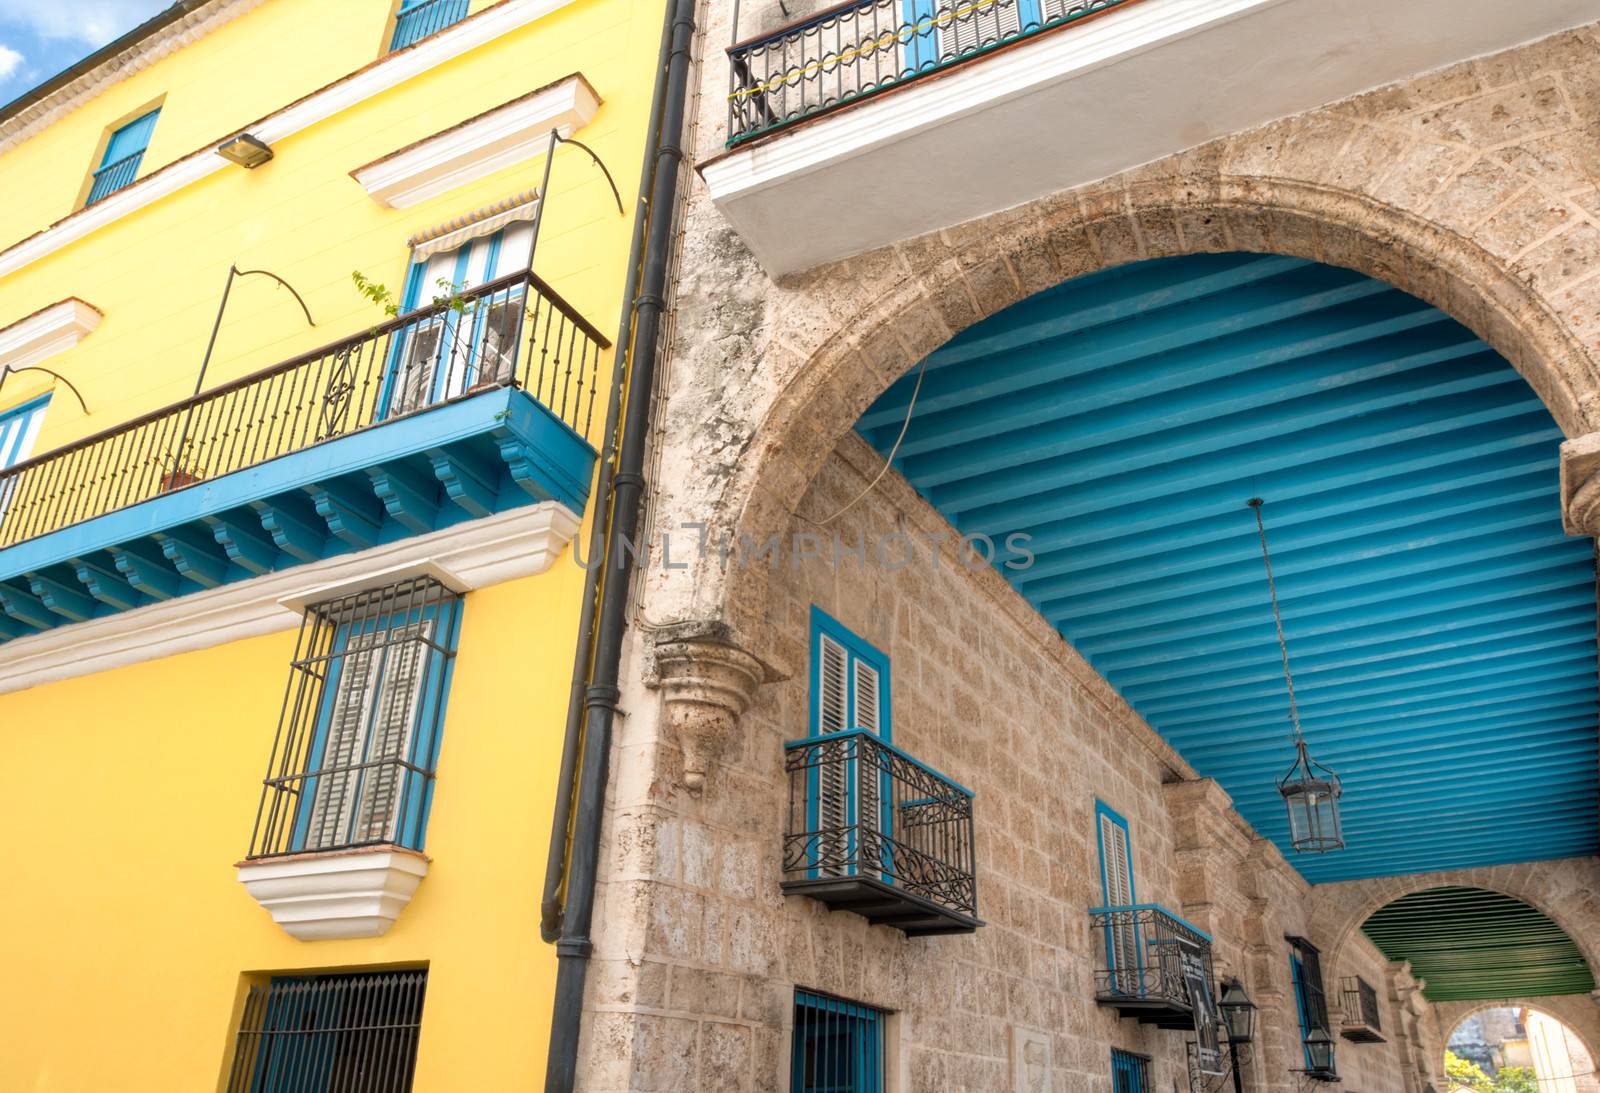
[{"x": 663, "y": 160}]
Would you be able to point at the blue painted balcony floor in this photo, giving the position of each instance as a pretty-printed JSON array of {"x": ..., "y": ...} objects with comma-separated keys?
[
  {"x": 424, "y": 472},
  {"x": 1441, "y": 626}
]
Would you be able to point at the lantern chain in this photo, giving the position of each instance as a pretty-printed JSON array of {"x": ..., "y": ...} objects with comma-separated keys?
[{"x": 1277, "y": 617}]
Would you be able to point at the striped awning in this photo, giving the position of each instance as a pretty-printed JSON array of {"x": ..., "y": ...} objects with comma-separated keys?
[{"x": 463, "y": 229}]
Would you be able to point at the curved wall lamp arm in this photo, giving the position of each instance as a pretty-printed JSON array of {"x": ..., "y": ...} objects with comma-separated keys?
[
  {"x": 600, "y": 163},
  {"x": 6, "y": 371},
  {"x": 268, "y": 273}
]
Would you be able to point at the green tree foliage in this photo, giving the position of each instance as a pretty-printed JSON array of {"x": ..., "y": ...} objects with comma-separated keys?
[
  {"x": 1461, "y": 1072},
  {"x": 1515, "y": 1079}
]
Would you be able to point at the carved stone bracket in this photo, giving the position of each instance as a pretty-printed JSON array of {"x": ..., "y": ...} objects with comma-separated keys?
[
  {"x": 1580, "y": 485},
  {"x": 707, "y": 682}
]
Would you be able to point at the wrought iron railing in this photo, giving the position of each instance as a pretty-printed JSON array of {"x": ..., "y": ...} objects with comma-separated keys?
[
  {"x": 429, "y": 17},
  {"x": 514, "y": 331},
  {"x": 864, "y": 47},
  {"x": 862, "y": 808},
  {"x": 357, "y": 745},
  {"x": 1148, "y": 954},
  {"x": 1359, "y": 1001},
  {"x": 114, "y": 176}
]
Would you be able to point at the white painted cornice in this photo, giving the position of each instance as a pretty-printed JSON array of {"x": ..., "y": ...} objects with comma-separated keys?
[
  {"x": 475, "y": 554},
  {"x": 344, "y": 894},
  {"x": 46, "y": 332},
  {"x": 364, "y": 84},
  {"x": 39, "y": 116},
  {"x": 511, "y": 133}
]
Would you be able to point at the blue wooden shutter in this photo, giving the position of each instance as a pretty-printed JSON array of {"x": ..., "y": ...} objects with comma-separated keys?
[
  {"x": 124, "y": 152},
  {"x": 419, "y": 18},
  {"x": 18, "y": 428}
]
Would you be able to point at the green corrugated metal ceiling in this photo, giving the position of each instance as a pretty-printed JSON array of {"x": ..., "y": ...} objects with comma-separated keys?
[{"x": 1471, "y": 944}]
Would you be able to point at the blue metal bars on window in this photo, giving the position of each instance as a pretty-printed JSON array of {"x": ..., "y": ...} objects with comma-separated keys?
[
  {"x": 1130, "y": 1073},
  {"x": 124, "y": 152},
  {"x": 330, "y": 1033},
  {"x": 513, "y": 331},
  {"x": 863, "y": 47},
  {"x": 872, "y": 830},
  {"x": 419, "y": 18},
  {"x": 838, "y": 1046},
  {"x": 358, "y": 741}
]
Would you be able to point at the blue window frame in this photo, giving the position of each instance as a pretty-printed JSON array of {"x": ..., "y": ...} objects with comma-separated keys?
[
  {"x": 1130, "y": 1073},
  {"x": 1116, "y": 890},
  {"x": 838, "y": 1046},
  {"x": 19, "y": 426},
  {"x": 419, "y": 18},
  {"x": 849, "y": 680},
  {"x": 123, "y": 154}
]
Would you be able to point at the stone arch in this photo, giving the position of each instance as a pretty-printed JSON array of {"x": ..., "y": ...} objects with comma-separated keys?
[
  {"x": 1566, "y": 891},
  {"x": 1577, "y": 1012},
  {"x": 897, "y": 305}
]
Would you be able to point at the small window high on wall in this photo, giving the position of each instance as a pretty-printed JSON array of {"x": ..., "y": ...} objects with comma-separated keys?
[
  {"x": 119, "y": 164},
  {"x": 1130, "y": 1073},
  {"x": 1311, "y": 1001},
  {"x": 838, "y": 1046},
  {"x": 417, "y": 19}
]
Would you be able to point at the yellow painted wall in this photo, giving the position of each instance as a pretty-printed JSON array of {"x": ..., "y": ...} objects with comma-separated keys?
[{"x": 130, "y": 794}]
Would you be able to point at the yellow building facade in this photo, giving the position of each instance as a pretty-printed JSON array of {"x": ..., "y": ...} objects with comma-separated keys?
[{"x": 198, "y": 593}]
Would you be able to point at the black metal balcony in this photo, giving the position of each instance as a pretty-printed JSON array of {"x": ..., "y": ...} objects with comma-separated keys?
[
  {"x": 873, "y": 831},
  {"x": 1359, "y": 1002},
  {"x": 469, "y": 407},
  {"x": 1151, "y": 964},
  {"x": 864, "y": 47}
]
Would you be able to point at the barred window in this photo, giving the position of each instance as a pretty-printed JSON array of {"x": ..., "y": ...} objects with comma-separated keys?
[
  {"x": 838, "y": 1046},
  {"x": 330, "y": 1034},
  {"x": 358, "y": 741},
  {"x": 1130, "y": 1073}
]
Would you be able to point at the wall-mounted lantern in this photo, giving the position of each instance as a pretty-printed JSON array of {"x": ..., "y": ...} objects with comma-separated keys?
[{"x": 245, "y": 150}]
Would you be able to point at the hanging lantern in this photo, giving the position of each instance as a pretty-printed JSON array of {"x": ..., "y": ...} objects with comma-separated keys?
[
  {"x": 1238, "y": 1013},
  {"x": 1319, "y": 1052},
  {"x": 1310, "y": 790},
  {"x": 1311, "y": 794}
]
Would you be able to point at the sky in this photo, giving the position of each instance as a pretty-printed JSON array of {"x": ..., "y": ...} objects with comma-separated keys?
[{"x": 38, "y": 38}]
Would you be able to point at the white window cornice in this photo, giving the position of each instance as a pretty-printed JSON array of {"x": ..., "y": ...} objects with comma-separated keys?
[
  {"x": 48, "y": 331},
  {"x": 513, "y": 132},
  {"x": 361, "y": 85}
]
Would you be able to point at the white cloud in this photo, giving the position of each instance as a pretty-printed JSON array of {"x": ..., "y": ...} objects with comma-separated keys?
[
  {"x": 92, "y": 22},
  {"x": 10, "y": 61}
]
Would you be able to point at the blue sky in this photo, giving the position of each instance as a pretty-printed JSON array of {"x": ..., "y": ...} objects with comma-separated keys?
[{"x": 38, "y": 38}]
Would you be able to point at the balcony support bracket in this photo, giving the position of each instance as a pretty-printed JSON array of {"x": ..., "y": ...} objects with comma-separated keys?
[{"x": 706, "y": 682}]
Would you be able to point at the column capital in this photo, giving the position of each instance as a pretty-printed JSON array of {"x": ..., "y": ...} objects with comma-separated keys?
[
  {"x": 707, "y": 681},
  {"x": 1580, "y": 485}
]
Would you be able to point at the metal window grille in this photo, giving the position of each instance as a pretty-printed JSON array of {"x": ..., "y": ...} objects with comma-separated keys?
[
  {"x": 114, "y": 176},
  {"x": 416, "y": 21},
  {"x": 1360, "y": 1002},
  {"x": 1130, "y": 1073},
  {"x": 1316, "y": 997},
  {"x": 330, "y": 1034},
  {"x": 358, "y": 739},
  {"x": 838, "y": 1045}
]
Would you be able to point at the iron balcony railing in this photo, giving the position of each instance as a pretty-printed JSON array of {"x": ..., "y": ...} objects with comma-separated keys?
[
  {"x": 1359, "y": 1003},
  {"x": 417, "y": 21},
  {"x": 514, "y": 331},
  {"x": 114, "y": 176},
  {"x": 859, "y": 808},
  {"x": 864, "y": 47},
  {"x": 1149, "y": 958}
]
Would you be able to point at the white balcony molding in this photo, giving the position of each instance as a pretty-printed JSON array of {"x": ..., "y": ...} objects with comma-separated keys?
[
  {"x": 358, "y": 87},
  {"x": 1082, "y": 103},
  {"x": 188, "y": 28},
  {"x": 341, "y": 894},
  {"x": 48, "y": 331},
  {"x": 475, "y": 554},
  {"x": 513, "y": 132}
]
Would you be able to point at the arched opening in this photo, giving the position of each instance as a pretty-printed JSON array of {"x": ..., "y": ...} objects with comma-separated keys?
[
  {"x": 1440, "y": 625},
  {"x": 1517, "y": 1048}
]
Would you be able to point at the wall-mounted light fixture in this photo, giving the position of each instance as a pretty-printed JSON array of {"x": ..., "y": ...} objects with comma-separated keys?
[{"x": 245, "y": 150}]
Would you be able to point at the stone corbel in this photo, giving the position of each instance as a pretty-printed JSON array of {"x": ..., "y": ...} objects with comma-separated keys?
[
  {"x": 707, "y": 681},
  {"x": 1580, "y": 485}
]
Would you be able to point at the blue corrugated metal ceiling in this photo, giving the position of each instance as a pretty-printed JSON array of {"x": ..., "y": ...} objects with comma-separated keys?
[{"x": 1441, "y": 626}]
